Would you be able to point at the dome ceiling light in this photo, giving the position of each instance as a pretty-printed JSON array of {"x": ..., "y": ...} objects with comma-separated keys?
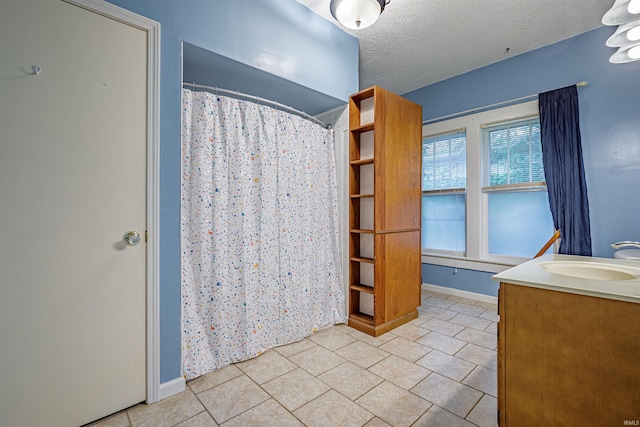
[{"x": 357, "y": 14}]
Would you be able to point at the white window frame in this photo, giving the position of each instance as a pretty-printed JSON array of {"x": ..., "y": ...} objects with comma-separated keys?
[
  {"x": 446, "y": 192},
  {"x": 477, "y": 256}
]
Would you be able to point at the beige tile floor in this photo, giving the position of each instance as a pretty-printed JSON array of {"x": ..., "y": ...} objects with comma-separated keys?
[{"x": 438, "y": 370}]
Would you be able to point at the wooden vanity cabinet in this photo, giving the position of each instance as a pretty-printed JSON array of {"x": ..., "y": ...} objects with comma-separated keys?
[{"x": 566, "y": 359}]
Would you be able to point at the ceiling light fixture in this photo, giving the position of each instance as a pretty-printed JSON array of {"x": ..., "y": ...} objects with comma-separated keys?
[
  {"x": 357, "y": 14},
  {"x": 626, "y": 33},
  {"x": 626, "y": 15}
]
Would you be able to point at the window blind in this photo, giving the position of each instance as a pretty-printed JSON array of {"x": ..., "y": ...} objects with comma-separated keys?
[
  {"x": 512, "y": 153},
  {"x": 444, "y": 161}
]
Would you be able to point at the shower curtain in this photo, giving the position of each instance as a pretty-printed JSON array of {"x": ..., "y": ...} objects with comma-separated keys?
[{"x": 260, "y": 259}]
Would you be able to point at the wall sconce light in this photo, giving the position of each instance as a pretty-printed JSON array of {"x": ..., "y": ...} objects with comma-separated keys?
[
  {"x": 357, "y": 14},
  {"x": 626, "y": 15}
]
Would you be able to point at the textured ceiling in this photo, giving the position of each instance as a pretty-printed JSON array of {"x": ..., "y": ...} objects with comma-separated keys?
[{"x": 415, "y": 43}]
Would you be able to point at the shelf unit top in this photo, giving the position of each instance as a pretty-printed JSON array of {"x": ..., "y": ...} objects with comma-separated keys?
[{"x": 364, "y": 94}]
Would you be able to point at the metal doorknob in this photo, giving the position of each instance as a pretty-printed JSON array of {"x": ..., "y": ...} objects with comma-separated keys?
[{"x": 131, "y": 238}]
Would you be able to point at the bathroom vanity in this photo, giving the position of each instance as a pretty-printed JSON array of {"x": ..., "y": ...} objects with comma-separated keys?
[{"x": 569, "y": 342}]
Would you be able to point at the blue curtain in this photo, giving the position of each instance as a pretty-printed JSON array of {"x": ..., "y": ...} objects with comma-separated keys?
[{"x": 564, "y": 170}]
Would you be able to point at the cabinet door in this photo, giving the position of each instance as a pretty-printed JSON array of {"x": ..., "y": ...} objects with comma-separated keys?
[
  {"x": 399, "y": 272},
  {"x": 398, "y": 142},
  {"x": 568, "y": 359}
]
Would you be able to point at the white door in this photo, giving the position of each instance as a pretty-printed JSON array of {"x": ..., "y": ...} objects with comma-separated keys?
[{"x": 72, "y": 182}]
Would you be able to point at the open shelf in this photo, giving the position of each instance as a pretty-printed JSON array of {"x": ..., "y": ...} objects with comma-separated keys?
[
  {"x": 361, "y": 259},
  {"x": 364, "y": 128},
  {"x": 361, "y": 162},
  {"x": 360, "y": 231},
  {"x": 364, "y": 318},
  {"x": 363, "y": 94},
  {"x": 362, "y": 288}
]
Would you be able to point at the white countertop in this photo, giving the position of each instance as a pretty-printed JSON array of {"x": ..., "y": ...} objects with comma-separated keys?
[{"x": 532, "y": 274}]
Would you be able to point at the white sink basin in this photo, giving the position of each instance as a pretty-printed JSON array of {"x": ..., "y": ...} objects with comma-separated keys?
[{"x": 591, "y": 270}]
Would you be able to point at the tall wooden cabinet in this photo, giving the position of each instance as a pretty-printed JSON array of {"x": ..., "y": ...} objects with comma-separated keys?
[{"x": 385, "y": 201}]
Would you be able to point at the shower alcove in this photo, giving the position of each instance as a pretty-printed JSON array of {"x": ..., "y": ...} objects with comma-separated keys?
[{"x": 265, "y": 255}]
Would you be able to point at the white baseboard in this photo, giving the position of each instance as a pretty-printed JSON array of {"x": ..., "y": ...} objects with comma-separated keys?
[
  {"x": 172, "y": 387},
  {"x": 460, "y": 293}
]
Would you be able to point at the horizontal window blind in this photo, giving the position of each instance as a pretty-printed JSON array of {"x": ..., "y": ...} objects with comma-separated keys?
[
  {"x": 512, "y": 153},
  {"x": 444, "y": 161}
]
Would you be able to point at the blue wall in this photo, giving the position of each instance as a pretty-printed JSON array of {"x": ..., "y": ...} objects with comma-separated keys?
[
  {"x": 282, "y": 38},
  {"x": 610, "y": 126},
  {"x": 478, "y": 282}
]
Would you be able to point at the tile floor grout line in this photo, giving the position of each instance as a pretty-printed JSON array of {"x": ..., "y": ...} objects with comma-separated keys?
[
  {"x": 128, "y": 417},
  {"x": 471, "y": 410},
  {"x": 303, "y": 405},
  {"x": 202, "y": 403},
  {"x": 398, "y": 344},
  {"x": 266, "y": 392}
]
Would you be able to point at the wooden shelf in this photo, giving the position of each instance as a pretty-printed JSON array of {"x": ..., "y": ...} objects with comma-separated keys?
[
  {"x": 360, "y": 196},
  {"x": 361, "y": 259},
  {"x": 361, "y": 162},
  {"x": 364, "y": 128},
  {"x": 360, "y": 231},
  {"x": 364, "y": 318},
  {"x": 363, "y": 94},
  {"x": 362, "y": 288}
]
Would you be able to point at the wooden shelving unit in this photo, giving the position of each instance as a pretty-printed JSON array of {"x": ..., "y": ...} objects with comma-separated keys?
[{"x": 385, "y": 202}]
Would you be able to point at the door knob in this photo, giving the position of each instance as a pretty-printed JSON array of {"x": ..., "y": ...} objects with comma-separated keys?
[{"x": 131, "y": 238}]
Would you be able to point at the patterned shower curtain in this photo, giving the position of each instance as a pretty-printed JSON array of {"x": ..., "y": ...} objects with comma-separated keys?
[{"x": 260, "y": 260}]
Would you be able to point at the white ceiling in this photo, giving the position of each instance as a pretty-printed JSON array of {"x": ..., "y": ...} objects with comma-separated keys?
[{"x": 415, "y": 43}]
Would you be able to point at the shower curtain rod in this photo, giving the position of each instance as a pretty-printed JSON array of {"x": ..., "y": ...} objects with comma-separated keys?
[
  {"x": 487, "y": 107},
  {"x": 258, "y": 100}
]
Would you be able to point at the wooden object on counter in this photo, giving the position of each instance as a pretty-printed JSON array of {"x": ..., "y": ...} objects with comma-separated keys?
[
  {"x": 566, "y": 359},
  {"x": 385, "y": 152},
  {"x": 547, "y": 245}
]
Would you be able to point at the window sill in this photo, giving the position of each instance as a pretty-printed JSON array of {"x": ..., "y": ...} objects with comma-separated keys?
[{"x": 488, "y": 266}]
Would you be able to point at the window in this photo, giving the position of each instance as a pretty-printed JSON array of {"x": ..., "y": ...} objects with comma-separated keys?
[
  {"x": 444, "y": 176},
  {"x": 519, "y": 218},
  {"x": 484, "y": 200}
]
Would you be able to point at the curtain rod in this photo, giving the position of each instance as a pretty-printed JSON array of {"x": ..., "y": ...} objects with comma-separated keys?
[
  {"x": 258, "y": 100},
  {"x": 487, "y": 107}
]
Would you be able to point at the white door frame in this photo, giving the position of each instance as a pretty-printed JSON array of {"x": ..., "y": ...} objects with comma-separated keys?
[{"x": 153, "y": 180}]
